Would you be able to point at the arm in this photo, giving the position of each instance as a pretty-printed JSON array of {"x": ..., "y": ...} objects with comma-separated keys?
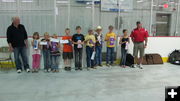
[
  {"x": 106, "y": 38},
  {"x": 146, "y": 40},
  {"x": 32, "y": 42},
  {"x": 9, "y": 40},
  {"x": 115, "y": 37},
  {"x": 73, "y": 40},
  {"x": 132, "y": 37},
  {"x": 82, "y": 40},
  {"x": 25, "y": 37},
  {"x": 120, "y": 41},
  {"x": 128, "y": 40}
]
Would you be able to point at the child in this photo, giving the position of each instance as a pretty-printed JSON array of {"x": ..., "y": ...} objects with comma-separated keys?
[
  {"x": 45, "y": 46},
  {"x": 90, "y": 41},
  {"x": 55, "y": 53},
  {"x": 99, "y": 42},
  {"x": 78, "y": 41},
  {"x": 67, "y": 50},
  {"x": 124, "y": 42},
  {"x": 36, "y": 52},
  {"x": 110, "y": 38}
]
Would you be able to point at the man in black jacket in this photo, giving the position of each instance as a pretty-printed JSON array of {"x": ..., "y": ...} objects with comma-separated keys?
[{"x": 18, "y": 43}]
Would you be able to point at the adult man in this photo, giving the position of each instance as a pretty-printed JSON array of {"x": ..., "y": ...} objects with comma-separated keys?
[
  {"x": 139, "y": 37},
  {"x": 18, "y": 43}
]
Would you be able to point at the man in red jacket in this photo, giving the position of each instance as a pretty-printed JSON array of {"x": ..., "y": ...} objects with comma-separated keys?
[{"x": 139, "y": 37}]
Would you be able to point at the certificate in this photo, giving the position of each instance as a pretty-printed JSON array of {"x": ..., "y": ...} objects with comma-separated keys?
[
  {"x": 64, "y": 41},
  {"x": 43, "y": 43},
  {"x": 54, "y": 40}
]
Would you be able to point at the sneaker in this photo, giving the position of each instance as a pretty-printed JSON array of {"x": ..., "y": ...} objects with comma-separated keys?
[
  {"x": 65, "y": 68},
  {"x": 135, "y": 66},
  {"x": 112, "y": 64},
  {"x": 69, "y": 68},
  {"x": 36, "y": 70},
  {"x": 49, "y": 70},
  {"x": 28, "y": 70},
  {"x": 140, "y": 66},
  {"x": 100, "y": 65},
  {"x": 107, "y": 65},
  {"x": 53, "y": 70},
  {"x": 33, "y": 70},
  {"x": 93, "y": 67},
  {"x": 45, "y": 70},
  {"x": 19, "y": 71},
  {"x": 57, "y": 70}
]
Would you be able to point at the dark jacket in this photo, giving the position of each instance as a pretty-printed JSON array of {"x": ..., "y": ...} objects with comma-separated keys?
[{"x": 16, "y": 36}]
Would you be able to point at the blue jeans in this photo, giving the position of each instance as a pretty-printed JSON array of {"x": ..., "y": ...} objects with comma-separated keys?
[
  {"x": 47, "y": 59},
  {"x": 89, "y": 52},
  {"x": 98, "y": 55},
  {"x": 123, "y": 56},
  {"x": 78, "y": 58},
  {"x": 21, "y": 51},
  {"x": 110, "y": 55},
  {"x": 55, "y": 62}
]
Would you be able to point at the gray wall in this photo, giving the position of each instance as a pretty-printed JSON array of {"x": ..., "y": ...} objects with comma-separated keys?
[{"x": 40, "y": 16}]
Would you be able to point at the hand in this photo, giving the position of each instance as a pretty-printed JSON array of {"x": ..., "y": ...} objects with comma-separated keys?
[
  {"x": 11, "y": 49},
  {"x": 145, "y": 46},
  {"x": 26, "y": 45}
]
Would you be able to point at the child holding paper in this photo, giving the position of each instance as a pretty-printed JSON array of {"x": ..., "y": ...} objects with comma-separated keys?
[
  {"x": 36, "y": 56},
  {"x": 110, "y": 38},
  {"x": 67, "y": 50},
  {"x": 78, "y": 41},
  {"x": 124, "y": 41},
  {"x": 55, "y": 53},
  {"x": 45, "y": 46},
  {"x": 90, "y": 41}
]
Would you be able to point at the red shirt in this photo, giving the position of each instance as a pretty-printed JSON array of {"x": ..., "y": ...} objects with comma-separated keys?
[
  {"x": 139, "y": 35},
  {"x": 67, "y": 47}
]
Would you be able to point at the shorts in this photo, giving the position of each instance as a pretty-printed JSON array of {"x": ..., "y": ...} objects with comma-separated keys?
[
  {"x": 138, "y": 47},
  {"x": 67, "y": 55}
]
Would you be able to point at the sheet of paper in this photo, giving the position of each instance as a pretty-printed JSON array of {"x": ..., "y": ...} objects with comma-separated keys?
[
  {"x": 93, "y": 55},
  {"x": 35, "y": 44},
  {"x": 54, "y": 40},
  {"x": 43, "y": 43},
  {"x": 64, "y": 41}
]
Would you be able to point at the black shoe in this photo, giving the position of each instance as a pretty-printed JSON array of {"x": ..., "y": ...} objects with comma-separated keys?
[
  {"x": 80, "y": 68},
  {"x": 69, "y": 68},
  {"x": 93, "y": 67},
  {"x": 76, "y": 69},
  {"x": 100, "y": 65},
  {"x": 66, "y": 68},
  {"x": 111, "y": 64}
]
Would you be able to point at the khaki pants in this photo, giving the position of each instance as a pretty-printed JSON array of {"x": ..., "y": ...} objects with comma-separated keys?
[{"x": 138, "y": 47}]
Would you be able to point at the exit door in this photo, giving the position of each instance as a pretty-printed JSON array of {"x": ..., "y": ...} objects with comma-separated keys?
[{"x": 163, "y": 24}]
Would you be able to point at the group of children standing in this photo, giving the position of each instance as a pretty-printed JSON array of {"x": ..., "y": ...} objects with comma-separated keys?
[{"x": 51, "y": 49}]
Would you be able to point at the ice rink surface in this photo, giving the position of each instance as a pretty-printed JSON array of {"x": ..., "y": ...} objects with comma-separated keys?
[{"x": 102, "y": 84}]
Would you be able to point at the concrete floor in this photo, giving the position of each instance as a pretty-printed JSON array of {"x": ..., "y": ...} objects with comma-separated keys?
[{"x": 103, "y": 84}]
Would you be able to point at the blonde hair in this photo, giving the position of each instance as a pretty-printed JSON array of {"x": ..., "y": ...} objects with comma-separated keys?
[{"x": 46, "y": 33}]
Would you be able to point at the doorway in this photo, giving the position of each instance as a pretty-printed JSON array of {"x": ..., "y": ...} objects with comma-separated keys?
[{"x": 163, "y": 24}]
